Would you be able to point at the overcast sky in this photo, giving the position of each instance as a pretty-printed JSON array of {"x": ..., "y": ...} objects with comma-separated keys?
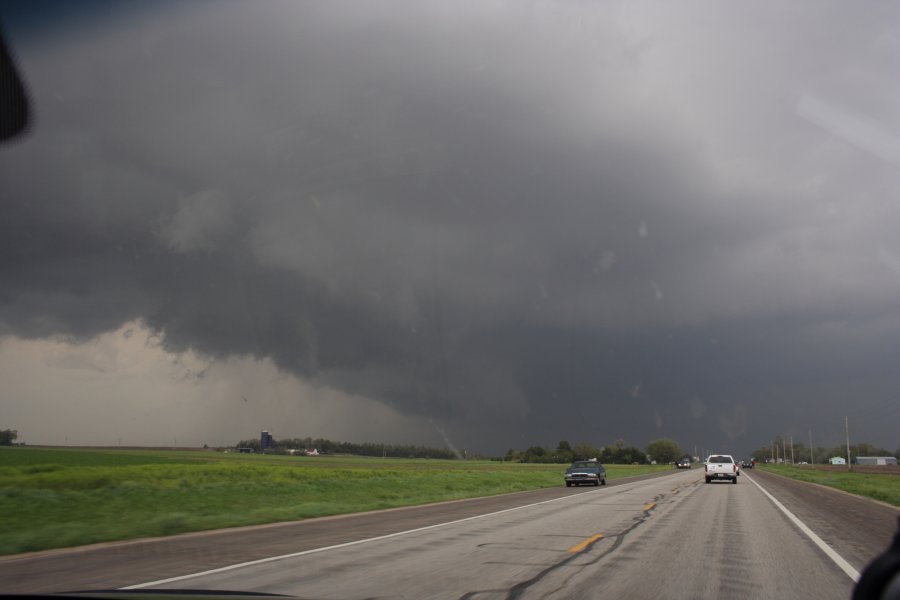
[{"x": 490, "y": 224}]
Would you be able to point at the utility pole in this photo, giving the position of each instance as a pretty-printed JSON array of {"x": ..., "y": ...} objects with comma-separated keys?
[
  {"x": 772, "y": 457},
  {"x": 812, "y": 460},
  {"x": 783, "y": 451},
  {"x": 792, "y": 449},
  {"x": 847, "y": 432}
]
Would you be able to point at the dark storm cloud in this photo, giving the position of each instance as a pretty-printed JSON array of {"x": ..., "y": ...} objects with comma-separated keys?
[{"x": 506, "y": 216}]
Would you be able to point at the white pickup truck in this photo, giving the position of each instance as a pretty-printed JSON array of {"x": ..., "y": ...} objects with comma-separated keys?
[{"x": 721, "y": 466}]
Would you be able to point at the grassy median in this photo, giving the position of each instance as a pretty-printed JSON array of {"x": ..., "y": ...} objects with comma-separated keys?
[
  {"x": 51, "y": 498},
  {"x": 880, "y": 487}
]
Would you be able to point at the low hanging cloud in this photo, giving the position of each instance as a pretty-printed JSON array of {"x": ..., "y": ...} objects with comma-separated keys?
[{"x": 497, "y": 216}]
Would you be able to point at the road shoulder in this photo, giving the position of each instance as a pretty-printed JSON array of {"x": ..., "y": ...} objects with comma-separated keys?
[{"x": 856, "y": 527}]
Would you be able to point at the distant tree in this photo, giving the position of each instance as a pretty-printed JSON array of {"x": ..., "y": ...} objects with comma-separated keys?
[
  {"x": 763, "y": 454},
  {"x": 634, "y": 455},
  {"x": 624, "y": 455},
  {"x": 563, "y": 446},
  {"x": 866, "y": 449},
  {"x": 584, "y": 451},
  {"x": 664, "y": 450},
  {"x": 8, "y": 437},
  {"x": 534, "y": 454},
  {"x": 563, "y": 456},
  {"x": 253, "y": 444},
  {"x": 611, "y": 454}
]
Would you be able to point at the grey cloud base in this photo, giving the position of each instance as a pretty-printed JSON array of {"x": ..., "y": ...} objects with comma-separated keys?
[{"x": 502, "y": 217}]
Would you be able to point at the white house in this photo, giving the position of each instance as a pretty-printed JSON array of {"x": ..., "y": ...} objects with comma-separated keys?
[{"x": 837, "y": 460}]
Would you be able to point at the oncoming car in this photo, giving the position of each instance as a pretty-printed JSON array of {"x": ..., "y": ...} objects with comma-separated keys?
[{"x": 585, "y": 471}]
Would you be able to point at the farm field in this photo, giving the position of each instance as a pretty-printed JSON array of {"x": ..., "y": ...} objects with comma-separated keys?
[
  {"x": 58, "y": 497},
  {"x": 879, "y": 486}
]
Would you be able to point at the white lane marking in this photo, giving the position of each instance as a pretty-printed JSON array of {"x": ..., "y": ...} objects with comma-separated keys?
[
  {"x": 353, "y": 543},
  {"x": 828, "y": 550}
]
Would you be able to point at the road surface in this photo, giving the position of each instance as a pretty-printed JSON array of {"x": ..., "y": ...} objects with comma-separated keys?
[{"x": 670, "y": 536}]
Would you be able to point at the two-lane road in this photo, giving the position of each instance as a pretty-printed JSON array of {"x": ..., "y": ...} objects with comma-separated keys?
[{"x": 672, "y": 537}]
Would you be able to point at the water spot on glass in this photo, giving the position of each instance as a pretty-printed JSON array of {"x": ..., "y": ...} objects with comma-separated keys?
[
  {"x": 698, "y": 408},
  {"x": 606, "y": 262}
]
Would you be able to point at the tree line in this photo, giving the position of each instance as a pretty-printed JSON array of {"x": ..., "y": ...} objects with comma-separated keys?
[
  {"x": 326, "y": 446},
  {"x": 820, "y": 454},
  {"x": 662, "y": 451}
]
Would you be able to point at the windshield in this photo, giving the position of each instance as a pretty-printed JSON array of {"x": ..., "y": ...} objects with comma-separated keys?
[{"x": 321, "y": 283}]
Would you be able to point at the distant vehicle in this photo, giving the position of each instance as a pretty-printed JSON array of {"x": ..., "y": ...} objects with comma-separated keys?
[
  {"x": 585, "y": 471},
  {"x": 684, "y": 463},
  {"x": 721, "y": 466},
  {"x": 747, "y": 464}
]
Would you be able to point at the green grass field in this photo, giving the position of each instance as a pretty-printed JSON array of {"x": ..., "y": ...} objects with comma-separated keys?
[
  {"x": 51, "y": 498},
  {"x": 880, "y": 487}
]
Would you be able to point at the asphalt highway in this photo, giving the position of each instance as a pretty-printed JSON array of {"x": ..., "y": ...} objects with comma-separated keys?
[
  {"x": 668, "y": 536},
  {"x": 117, "y": 564},
  {"x": 672, "y": 537}
]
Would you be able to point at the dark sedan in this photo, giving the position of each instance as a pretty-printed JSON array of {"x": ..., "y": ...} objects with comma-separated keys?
[{"x": 585, "y": 472}]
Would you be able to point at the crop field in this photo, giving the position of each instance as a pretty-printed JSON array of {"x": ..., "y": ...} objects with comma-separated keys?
[
  {"x": 56, "y": 497},
  {"x": 884, "y": 487}
]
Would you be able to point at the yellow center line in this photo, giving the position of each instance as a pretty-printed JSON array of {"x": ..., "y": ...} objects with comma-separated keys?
[
  {"x": 586, "y": 543},
  {"x": 649, "y": 506}
]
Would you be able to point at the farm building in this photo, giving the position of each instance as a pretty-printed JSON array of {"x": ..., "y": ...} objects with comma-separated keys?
[
  {"x": 876, "y": 460},
  {"x": 837, "y": 460}
]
